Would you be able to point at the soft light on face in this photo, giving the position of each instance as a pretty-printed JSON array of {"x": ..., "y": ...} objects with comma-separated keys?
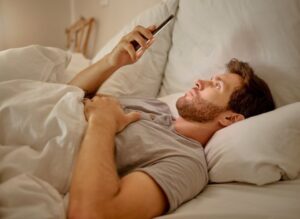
[{"x": 208, "y": 99}]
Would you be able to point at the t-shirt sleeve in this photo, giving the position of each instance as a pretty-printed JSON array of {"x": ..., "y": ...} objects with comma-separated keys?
[{"x": 180, "y": 178}]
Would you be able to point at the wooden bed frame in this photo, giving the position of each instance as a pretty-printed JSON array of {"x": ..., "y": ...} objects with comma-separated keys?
[{"x": 78, "y": 35}]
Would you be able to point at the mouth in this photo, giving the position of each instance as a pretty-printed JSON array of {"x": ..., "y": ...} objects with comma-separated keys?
[
  {"x": 189, "y": 93},
  {"x": 192, "y": 93}
]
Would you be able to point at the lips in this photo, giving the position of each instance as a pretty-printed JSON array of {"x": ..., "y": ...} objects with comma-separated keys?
[
  {"x": 195, "y": 91},
  {"x": 192, "y": 93},
  {"x": 189, "y": 93}
]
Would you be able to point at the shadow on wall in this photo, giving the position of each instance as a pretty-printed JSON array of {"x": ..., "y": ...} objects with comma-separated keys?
[
  {"x": 281, "y": 89},
  {"x": 250, "y": 46},
  {"x": 110, "y": 19}
]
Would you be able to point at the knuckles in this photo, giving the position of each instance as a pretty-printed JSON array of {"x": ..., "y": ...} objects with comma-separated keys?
[{"x": 138, "y": 27}]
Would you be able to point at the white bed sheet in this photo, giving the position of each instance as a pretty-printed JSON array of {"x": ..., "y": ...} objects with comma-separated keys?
[
  {"x": 39, "y": 140},
  {"x": 243, "y": 201}
]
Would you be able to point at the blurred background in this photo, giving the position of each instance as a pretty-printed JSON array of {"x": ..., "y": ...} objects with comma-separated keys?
[{"x": 44, "y": 22}]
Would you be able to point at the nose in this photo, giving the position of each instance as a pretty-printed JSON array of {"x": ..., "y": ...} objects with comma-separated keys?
[{"x": 202, "y": 84}]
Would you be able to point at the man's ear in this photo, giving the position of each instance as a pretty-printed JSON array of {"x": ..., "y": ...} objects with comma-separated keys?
[{"x": 229, "y": 117}]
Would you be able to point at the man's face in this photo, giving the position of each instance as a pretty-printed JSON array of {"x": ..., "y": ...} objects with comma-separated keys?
[{"x": 208, "y": 99}]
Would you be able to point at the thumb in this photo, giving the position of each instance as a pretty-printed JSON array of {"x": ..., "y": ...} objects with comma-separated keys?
[
  {"x": 140, "y": 53},
  {"x": 151, "y": 28},
  {"x": 129, "y": 118},
  {"x": 132, "y": 117}
]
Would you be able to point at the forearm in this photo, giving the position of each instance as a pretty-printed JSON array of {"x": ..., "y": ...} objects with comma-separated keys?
[
  {"x": 95, "y": 180},
  {"x": 93, "y": 77}
]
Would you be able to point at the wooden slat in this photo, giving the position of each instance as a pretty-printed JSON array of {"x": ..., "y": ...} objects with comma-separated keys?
[{"x": 78, "y": 35}]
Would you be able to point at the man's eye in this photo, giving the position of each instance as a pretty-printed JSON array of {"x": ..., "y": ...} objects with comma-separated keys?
[{"x": 218, "y": 85}]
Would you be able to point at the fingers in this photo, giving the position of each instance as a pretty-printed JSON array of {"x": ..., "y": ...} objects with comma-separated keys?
[
  {"x": 140, "y": 35},
  {"x": 133, "y": 117},
  {"x": 151, "y": 28},
  {"x": 145, "y": 32},
  {"x": 133, "y": 45},
  {"x": 131, "y": 51},
  {"x": 140, "y": 39},
  {"x": 129, "y": 118},
  {"x": 128, "y": 50},
  {"x": 108, "y": 100},
  {"x": 141, "y": 51},
  {"x": 105, "y": 109}
]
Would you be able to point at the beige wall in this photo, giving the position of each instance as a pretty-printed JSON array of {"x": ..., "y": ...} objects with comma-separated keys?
[
  {"x": 25, "y": 22},
  {"x": 1, "y": 28},
  {"x": 111, "y": 18}
]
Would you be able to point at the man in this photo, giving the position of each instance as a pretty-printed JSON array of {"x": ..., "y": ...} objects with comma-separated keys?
[{"x": 157, "y": 162}]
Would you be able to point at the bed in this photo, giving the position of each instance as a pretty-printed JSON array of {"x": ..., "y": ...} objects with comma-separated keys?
[{"x": 254, "y": 165}]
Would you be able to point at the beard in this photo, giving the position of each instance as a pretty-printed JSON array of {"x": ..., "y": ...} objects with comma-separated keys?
[{"x": 198, "y": 109}]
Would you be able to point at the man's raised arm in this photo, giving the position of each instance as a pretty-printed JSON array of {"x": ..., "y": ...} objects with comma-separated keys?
[{"x": 92, "y": 77}]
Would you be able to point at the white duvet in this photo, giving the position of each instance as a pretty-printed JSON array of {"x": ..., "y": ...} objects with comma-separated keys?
[{"x": 42, "y": 125}]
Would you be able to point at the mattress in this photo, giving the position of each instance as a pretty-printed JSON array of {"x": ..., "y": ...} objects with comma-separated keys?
[{"x": 243, "y": 201}]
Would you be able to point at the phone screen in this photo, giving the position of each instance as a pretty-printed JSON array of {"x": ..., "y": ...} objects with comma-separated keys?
[{"x": 156, "y": 31}]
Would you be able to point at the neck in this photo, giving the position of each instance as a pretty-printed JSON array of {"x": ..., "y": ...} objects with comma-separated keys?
[{"x": 198, "y": 131}]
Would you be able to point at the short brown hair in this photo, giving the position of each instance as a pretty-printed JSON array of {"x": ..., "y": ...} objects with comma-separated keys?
[{"x": 254, "y": 97}]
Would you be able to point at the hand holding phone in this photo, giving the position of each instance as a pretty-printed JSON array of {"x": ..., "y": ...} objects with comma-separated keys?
[
  {"x": 137, "y": 46},
  {"x": 124, "y": 54}
]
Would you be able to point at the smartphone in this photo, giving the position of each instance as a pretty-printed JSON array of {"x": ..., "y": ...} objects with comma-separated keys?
[{"x": 154, "y": 32}]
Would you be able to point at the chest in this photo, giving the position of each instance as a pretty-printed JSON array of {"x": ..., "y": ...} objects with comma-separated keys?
[{"x": 149, "y": 141}]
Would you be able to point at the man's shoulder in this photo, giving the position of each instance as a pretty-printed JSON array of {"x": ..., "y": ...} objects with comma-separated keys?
[{"x": 180, "y": 177}]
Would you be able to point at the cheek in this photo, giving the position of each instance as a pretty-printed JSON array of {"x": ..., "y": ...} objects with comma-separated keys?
[
  {"x": 210, "y": 96},
  {"x": 215, "y": 98}
]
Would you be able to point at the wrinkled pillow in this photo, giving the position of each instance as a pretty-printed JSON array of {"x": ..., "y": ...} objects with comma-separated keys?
[
  {"x": 144, "y": 77},
  {"x": 33, "y": 63},
  {"x": 77, "y": 64},
  {"x": 259, "y": 150},
  {"x": 170, "y": 100}
]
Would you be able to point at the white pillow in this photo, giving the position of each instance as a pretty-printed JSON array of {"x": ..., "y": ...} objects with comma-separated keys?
[
  {"x": 208, "y": 33},
  {"x": 33, "y": 63},
  {"x": 144, "y": 77},
  {"x": 170, "y": 100},
  {"x": 258, "y": 150}
]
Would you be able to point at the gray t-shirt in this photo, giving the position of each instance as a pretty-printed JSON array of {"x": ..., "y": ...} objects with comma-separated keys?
[{"x": 151, "y": 145}]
